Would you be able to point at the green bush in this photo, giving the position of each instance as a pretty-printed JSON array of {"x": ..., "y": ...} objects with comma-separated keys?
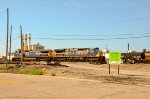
[{"x": 32, "y": 72}]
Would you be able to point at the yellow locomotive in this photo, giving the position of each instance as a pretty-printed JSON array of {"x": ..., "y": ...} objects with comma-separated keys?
[{"x": 65, "y": 54}]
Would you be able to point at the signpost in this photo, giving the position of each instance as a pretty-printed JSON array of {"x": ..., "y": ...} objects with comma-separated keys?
[{"x": 114, "y": 58}]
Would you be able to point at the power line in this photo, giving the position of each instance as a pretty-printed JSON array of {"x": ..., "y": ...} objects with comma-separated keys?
[
  {"x": 12, "y": 36},
  {"x": 12, "y": 40},
  {"x": 41, "y": 5},
  {"x": 129, "y": 20},
  {"x": 62, "y": 1},
  {"x": 117, "y": 38},
  {"x": 102, "y": 35},
  {"x": 112, "y": 23}
]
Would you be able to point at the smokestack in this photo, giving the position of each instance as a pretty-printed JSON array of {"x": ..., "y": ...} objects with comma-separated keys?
[
  {"x": 29, "y": 41},
  {"x": 25, "y": 41},
  {"x": 128, "y": 46},
  {"x": 25, "y": 47}
]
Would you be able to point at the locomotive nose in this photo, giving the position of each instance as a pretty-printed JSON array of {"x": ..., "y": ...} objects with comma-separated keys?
[{"x": 143, "y": 56}]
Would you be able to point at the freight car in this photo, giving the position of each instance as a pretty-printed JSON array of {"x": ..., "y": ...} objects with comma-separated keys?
[
  {"x": 136, "y": 57},
  {"x": 131, "y": 57}
]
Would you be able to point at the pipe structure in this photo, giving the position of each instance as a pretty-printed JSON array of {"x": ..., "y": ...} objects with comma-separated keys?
[
  {"x": 29, "y": 41},
  {"x": 25, "y": 39}
]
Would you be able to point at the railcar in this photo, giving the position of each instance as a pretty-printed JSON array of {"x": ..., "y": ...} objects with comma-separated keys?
[{"x": 136, "y": 57}]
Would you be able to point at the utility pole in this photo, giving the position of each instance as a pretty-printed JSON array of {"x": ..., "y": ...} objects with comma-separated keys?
[
  {"x": 21, "y": 37},
  {"x": 10, "y": 43},
  {"x": 7, "y": 30}
]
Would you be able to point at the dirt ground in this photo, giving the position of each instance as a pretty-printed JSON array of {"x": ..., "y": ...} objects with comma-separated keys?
[
  {"x": 78, "y": 81},
  {"x": 129, "y": 73}
]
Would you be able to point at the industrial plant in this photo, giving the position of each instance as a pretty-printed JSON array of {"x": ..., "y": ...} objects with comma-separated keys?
[{"x": 27, "y": 44}]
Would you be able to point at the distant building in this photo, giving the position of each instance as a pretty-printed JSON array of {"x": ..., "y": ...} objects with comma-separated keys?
[{"x": 37, "y": 47}]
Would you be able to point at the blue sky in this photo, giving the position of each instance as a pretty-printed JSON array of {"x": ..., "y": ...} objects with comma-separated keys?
[{"x": 103, "y": 21}]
